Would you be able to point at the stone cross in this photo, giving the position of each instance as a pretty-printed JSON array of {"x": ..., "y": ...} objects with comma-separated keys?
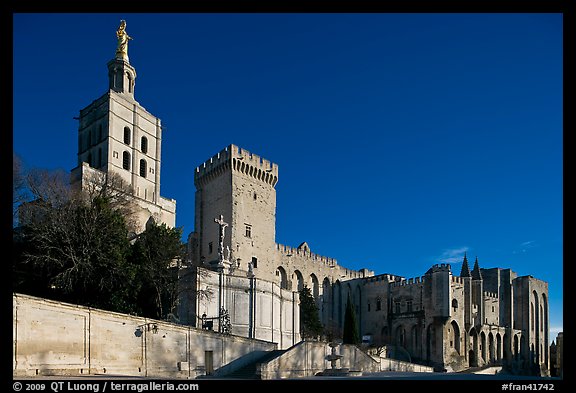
[{"x": 222, "y": 226}]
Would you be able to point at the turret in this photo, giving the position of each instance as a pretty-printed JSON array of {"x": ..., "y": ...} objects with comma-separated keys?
[
  {"x": 477, "y": 294},
  {"x": 467, "y": 278},
  {"x": 465, "y": 271},
  {"x": 437, "y": 291},
  {"x": 240, "y": 186}
]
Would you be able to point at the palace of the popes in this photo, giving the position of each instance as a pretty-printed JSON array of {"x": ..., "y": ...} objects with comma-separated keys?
[{"x": 444, "y": 320}]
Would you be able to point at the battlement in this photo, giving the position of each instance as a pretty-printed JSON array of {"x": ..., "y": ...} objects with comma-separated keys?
[
  {"x": 213, "y": 167},
  {"x": 350, "y": 273},
  {"x": 237, "y": 159},
  {"x": 458, "y": 280},
  {"x": 307, "y": 254},
  {"x": 442, "y": 267},
  {"x": 493, "y": 295},
  {"x": 315, "y": 258},
  {"x": 408, "y": 282},
  {"x": 381, "y": 279}
]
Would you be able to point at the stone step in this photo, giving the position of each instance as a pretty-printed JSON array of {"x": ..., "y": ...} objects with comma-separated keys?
[{"x": 249, "y": 371}]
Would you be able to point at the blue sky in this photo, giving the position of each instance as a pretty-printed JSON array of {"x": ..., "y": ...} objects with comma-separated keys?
[{"x": 402, "y": 140}]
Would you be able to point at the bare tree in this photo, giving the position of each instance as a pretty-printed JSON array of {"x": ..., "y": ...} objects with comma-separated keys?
[
  {"x": 18, "y": 180},
  {"x": 78, "y": 237},
  {"x": 115, "y": 190},
  {"x": 19, "y": 189}
]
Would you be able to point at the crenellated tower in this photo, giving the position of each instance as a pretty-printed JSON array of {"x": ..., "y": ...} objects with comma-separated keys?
[{"x": 240, "y": 186}]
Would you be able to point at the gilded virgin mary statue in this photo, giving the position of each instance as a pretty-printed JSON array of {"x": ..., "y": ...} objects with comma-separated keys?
[{"x": 123, "y": 38}]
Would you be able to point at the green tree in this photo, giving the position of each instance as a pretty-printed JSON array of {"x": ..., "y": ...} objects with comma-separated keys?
[
  {"x": 310, "y": 325},
  {"x": 82, "y": 249},
  {"x": 350, "y": 334},
  {"x": 76, "y": 242},
  {"x": 156, "y": 254}
]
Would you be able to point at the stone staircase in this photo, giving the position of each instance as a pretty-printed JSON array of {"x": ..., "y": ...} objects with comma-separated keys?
[{"x": 249, "y": 371}]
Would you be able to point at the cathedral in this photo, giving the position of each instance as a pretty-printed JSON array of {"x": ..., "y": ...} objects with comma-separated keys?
[{"x": 237, "y": 280}]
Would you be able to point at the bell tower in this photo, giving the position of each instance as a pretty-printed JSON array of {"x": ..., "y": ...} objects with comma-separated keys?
[{"x": 117, "y": 134}]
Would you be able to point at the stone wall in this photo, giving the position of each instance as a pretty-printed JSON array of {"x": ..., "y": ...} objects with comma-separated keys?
[
  {"x": 308, "y": 358},
  {"x": 55, "y": 338},
  {"x": 387, "y": 364},
  {"x": 257, "y": 308}
]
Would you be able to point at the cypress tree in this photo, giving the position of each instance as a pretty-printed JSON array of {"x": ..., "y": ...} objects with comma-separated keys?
[
  {"x": 310, "y": 325},
  {"x": 351, "y": 334}
]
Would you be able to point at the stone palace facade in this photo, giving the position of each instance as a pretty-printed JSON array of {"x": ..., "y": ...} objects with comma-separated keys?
[{"x": 239, "y": 280}]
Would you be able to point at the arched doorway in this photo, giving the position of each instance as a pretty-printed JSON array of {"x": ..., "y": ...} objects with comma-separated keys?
[
  {"x": 455, "y": 337},
  {"x": 483, "y": 347},
  {"x": 473, "y": 353},
  {"x": 498, "y": 348},
  {"x": 491, "y": 350}
]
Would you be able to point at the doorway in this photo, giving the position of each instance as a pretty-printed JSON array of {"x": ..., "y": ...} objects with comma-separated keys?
[{"x": 209, "y": 362}]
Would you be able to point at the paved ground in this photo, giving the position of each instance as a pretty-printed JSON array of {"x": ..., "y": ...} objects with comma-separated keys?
[
  {"x": 440, "y": 376},
  {"x": 384, "y": 375}
]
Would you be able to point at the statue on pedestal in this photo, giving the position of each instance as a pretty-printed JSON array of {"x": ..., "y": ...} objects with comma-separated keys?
[{"x": 123, "y": 38}]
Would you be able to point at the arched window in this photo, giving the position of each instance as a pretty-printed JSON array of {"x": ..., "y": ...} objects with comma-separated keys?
[
  {"x": 282, "y": 277},
  {"x": 454, "y": 304},
  {"x": 127, "y": 135},
  {"x": 143, "y": 167},
  {"x": 299, "y": 280},
  {"x": 144, "y": 145},
  {"x": 126, "y": 160},
  {"x": 315, "y": 286}
]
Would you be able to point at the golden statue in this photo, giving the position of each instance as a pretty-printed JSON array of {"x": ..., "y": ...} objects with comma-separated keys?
[{"x": 123, "y": 37}]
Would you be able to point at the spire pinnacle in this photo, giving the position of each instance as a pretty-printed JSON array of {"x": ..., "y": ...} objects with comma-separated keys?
[
  {"x": 465, "y": 272},
  {"x": 121, "y": 74},
  {"x": 476, "y": 275}
]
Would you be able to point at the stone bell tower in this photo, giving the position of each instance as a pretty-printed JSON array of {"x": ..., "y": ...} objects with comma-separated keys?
[{"x": 116, "y": 134}]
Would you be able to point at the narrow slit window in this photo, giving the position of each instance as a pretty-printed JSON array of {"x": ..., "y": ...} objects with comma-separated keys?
[
  {"x": 126, "y": 160},
  {"x": 143, "y": 167},
  {"x": 127, "y": 135}
]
